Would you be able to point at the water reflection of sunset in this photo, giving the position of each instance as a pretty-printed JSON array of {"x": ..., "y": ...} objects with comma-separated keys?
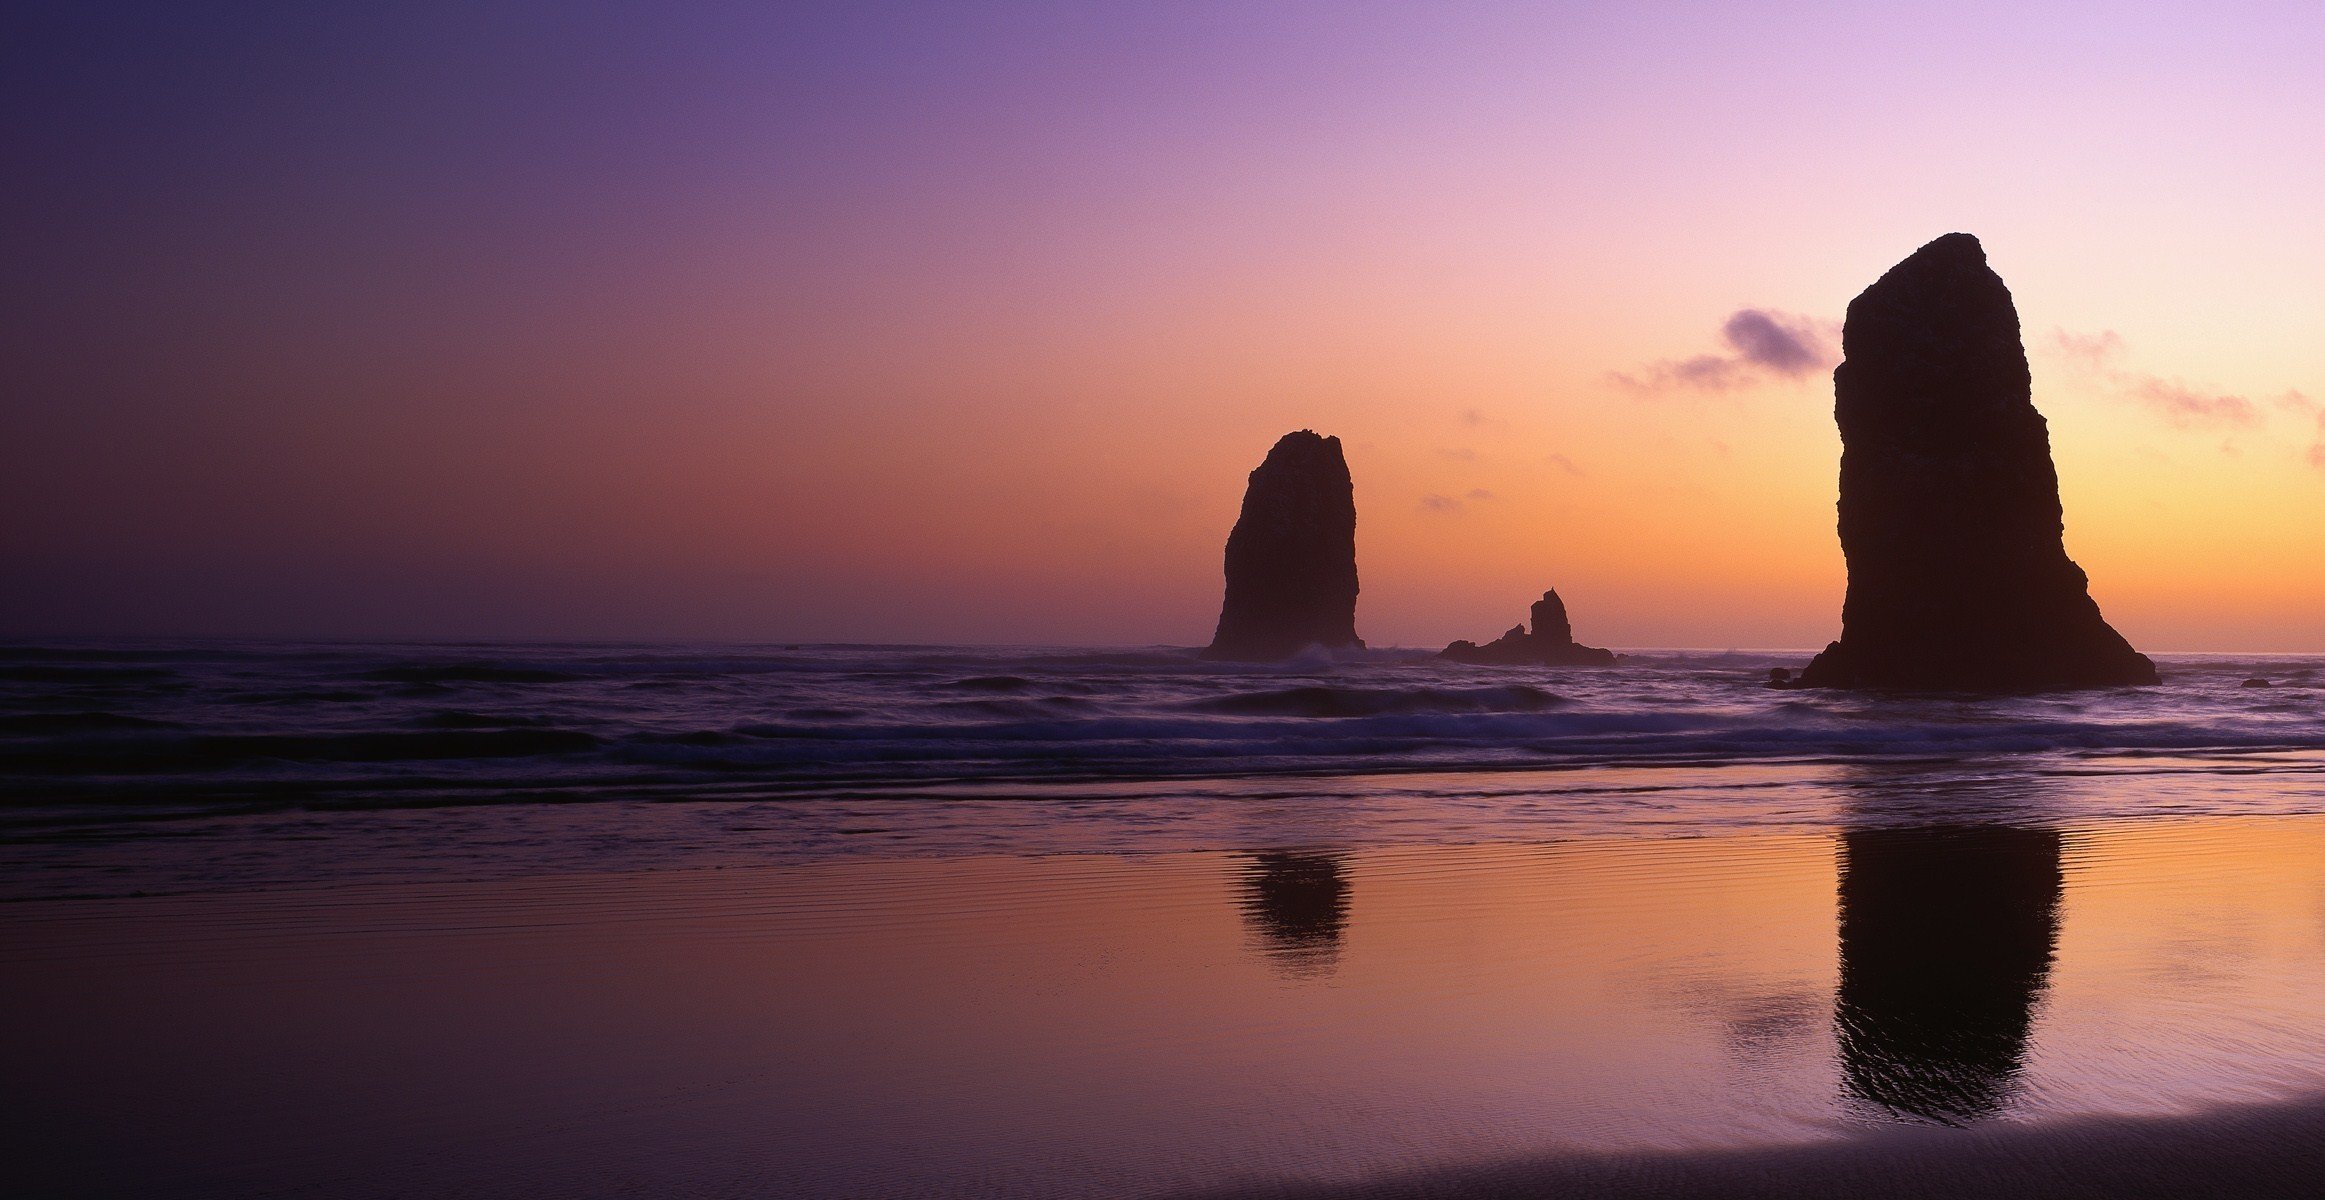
[{"x": 1478, "y": 1002}]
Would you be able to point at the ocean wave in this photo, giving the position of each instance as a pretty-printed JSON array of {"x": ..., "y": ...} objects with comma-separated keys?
[
  {"x": 992, "y": 683},
  {"x": 78, "y": 722},
  {"x": 83, "y": 674},
  {"x": 124, "y": 756},
  {"x": 464, "y": 719},
  {"x": 356, "y": 725},
  {"x": 466, "y": 673},
  {"x": 1317, "y": 700}
]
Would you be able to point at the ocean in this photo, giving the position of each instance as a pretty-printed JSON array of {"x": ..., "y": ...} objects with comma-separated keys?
[
  {"x": 115, "y": 758},
  {"x": 354, "y": 920}
]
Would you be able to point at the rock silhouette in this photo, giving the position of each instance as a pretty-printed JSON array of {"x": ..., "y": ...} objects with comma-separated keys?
[
  {"x": 1291, "y": 561},
  {"x": 1949, "y": 510},
  {"x": 1551, "y": 644}
]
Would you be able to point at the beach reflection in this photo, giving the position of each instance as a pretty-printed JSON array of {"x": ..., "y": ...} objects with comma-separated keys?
[
  {"x": 1069, "y": 1025},
  {"x": 1297, "y": 905},
  {"x": 1948, "y": 930}
]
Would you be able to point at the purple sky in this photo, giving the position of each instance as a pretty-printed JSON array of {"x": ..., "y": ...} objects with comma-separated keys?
[{"x": 963, "y": 322}]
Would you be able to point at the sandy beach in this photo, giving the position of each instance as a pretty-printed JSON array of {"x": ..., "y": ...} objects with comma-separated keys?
[{"x": 1719, "y": 1014}]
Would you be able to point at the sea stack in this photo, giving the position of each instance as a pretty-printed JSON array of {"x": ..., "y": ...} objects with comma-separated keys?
[
  {"x": 1949, "y": 512},
  {"x": 1291, "y": 561},
  {"x": 1551, "y": 644}
]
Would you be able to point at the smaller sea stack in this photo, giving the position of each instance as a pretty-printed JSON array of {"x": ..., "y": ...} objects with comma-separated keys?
[
  {"x": 1551, "y": 644},
  {"x": 1291, "y": 561},
  {"x": 1949, "y": 508}
]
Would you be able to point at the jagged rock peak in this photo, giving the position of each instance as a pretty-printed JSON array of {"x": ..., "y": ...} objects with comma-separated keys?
[
  {"x": 1550, "y": 623},
  {"x": 1291, "y": 560},
  {"x": 1949, "y": 503},
  {"x": 1550, "y": 644}
]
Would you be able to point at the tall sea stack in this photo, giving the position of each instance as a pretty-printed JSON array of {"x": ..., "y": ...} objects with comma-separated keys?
[
  {"x": 1291, "y": 562},
  {"x": 1949, "y": 515}
]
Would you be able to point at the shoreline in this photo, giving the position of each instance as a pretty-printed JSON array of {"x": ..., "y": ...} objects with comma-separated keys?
[
  {"x": 84, "y": 852},
  {"x": 2261, "y": 1150}
]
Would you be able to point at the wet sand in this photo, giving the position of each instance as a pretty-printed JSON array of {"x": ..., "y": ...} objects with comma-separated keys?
[
  {"x": 2257, "y": 1151},
  {"x": 1995, "y": 1009}
]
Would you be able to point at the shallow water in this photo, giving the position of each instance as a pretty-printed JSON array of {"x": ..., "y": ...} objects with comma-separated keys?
[{"x": 1109, "y": 1024}]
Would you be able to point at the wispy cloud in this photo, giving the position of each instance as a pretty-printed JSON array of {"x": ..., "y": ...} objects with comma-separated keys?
[
  {"x": 2099, "y": 356},
  {"x": 1762, "y": 344},
  {"x": 2187, "y": 407},
  {"x": 1434, "y": 503},
  {"x": 1480, "y": 494},
  {"x": 2096, "y": 351},
  {"x": 1565, "y": 464}
]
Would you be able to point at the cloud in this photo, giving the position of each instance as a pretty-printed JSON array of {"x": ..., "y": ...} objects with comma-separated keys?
[
  {"x": 2186, "y": 408},
  {"x": 1435, "y": 503},
  {"x": 1762, "y": 343},
  {"x": 1480, "y": 494},
  {"x": 1471, "y": 416},
  {"x": 2097, "y": 355},
  {"x": 1787, "y": 346},
  {"x": 1565, "y": 464},
  {"x": 2093, "y": 350}
]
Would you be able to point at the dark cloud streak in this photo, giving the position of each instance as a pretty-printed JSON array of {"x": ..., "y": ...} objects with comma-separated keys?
[
  {"x": 1763, "y": 344},
  {"x": 1788, "y": 346}
]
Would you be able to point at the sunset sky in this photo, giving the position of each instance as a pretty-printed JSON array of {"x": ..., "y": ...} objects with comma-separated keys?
[{"x": 953, "y": 322}]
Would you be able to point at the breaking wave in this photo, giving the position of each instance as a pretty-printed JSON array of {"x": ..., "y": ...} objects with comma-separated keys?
[{"x": 382, "y": 725}]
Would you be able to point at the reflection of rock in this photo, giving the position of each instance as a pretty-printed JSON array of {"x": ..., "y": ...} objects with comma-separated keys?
[
  {"x": 1949, "y": 507},
  {"x": 1297, "y": 903},
  {"x": 1551, "y": 644},
  {"x": 1946, "y": 942},
  {"x": 1762, "y": 1029},
  {"x": 1291, "y": 560}
]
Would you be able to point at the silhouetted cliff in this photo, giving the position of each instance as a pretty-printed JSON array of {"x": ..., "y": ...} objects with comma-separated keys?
[
  {"x": 1291, "y": 561},
  {"x": 1949, "y": 508},
  {"x": 1551, "y": 644}
]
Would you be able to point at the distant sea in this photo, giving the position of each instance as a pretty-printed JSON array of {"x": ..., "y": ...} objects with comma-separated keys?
[{"x": 931, "y": 749}]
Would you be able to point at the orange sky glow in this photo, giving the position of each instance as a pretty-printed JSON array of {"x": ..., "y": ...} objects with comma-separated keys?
[{"x": 968, "y": 329}]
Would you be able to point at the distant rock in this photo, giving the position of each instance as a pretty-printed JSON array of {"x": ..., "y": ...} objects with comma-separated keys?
[
  {"x": 2257, "y": 682},
  {"x": 1551, "y": 644},
  {"x": 1291, "y": 561},
  {"x": 1949, "y": 512}
]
